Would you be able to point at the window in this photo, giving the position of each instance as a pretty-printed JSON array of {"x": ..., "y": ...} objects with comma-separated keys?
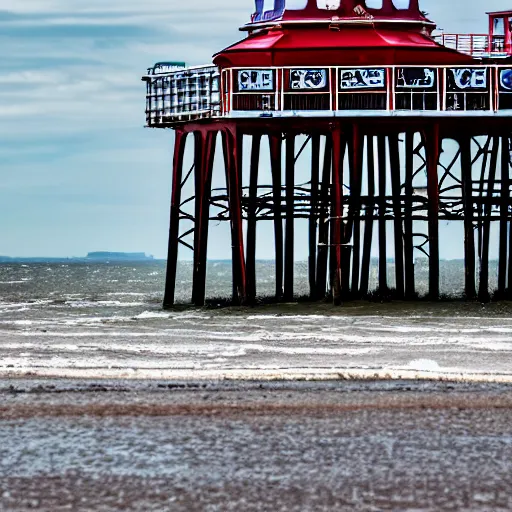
[
  {"x": 402, "y": 4},
  {"x": 374, "y": 4},
  {"x": 296, "y": 5},
  {"x": 328, "y": 5},
  {"x": 499, "y": 26},
  {"x": 268, "y": 5}
]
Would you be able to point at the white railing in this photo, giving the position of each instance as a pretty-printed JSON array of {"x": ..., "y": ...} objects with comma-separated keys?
[
  {"x": 196, "y": 93},
  {"x": 476, "y": 45},
  {"x": 182, "y": 94}
]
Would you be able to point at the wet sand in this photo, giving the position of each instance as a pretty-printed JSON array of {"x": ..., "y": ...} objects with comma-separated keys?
[{"x": 199, "y": 445}]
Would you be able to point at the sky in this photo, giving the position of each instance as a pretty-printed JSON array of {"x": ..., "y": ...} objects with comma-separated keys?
[{"x": 78, "y": 170}]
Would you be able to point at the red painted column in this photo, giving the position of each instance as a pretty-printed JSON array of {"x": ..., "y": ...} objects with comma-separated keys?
[
  {"x": 290, "y": 218},
  {"x": 469, "y": 232},
  {"x": 483, "y": 290},
  {"x": 432, "y": 148},
  {"x": 234, "y": 178},
  {"x": 251, "y": 222},
  {"x": 337, "y": 214},
  {"x": 383, "y": 265},
  {"x": 323, "y": 228},
  {"x": 410, "y": 285},
  {"x": 276, "y": 145},
  {"x": 353, "y": 229},
  {"x": 504, "y": 198},
  {"x": 396, "y": 187},
  {"x": 369, "y": 214},
  {"x": 174, "y": 227},
  {"x": 205, "y": 154},
  {"x": 313, "y": 218}
]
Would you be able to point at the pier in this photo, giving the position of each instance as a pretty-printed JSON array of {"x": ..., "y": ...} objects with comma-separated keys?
[{"x": 407, "y": 129}]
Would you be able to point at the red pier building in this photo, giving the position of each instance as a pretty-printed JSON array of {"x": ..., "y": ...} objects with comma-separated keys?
[{"x": 406, "y": 130}]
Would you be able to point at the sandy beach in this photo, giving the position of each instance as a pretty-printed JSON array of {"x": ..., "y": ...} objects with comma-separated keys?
[
  {"x": 115, "y": 445},
  {"x": 108, "y": 403}
]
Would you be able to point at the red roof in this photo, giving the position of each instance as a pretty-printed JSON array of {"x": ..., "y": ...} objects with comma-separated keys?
[
  {"x": 320, "y": 46},
  {"x": 500, "y": 13}
]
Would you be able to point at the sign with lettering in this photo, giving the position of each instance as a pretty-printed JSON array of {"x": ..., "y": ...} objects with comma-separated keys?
[
  {"x": 307, "y": 79},
  {"x": 467, "y": 80},
  {"x": 506, "y": 80},
  {"x": 351, "y": 79},
  {"x": 416, "y": 78},
  {"x": 167, "y": 67},
  {"x": 255, "y": 80}
]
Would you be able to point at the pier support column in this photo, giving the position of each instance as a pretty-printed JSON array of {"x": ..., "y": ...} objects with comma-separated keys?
[
  {"x": 410, "y": 284},
  {"x": 313, "y": 217},
  {"x": 205, "y": 154},
  {"x": 290, "y": 218},
  {"x": 323, "y": 229},
  {"x": 174, "y": 227},
  {"x": 276, "y": 145},
  {"x": 383, "y": 267},
  {"x": 504, "y": 201},
  {"x": 251, "y": 222},
  {"x": 483, "y": 290},
  {"x": 368, "y": 218},
  {"x": 396, "y": 187},
  {"x": 234, "y": 179},
  {"x": 432, "y": 149},
  {"x": 469, "y": 231},
  {"x": 507, "y": 196},
  {"x": 353, "y": 228},
  {"x": 337, "y": 216}
]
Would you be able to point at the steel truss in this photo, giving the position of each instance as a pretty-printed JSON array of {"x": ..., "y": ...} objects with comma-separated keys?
[{"x": 371, "y": 176}]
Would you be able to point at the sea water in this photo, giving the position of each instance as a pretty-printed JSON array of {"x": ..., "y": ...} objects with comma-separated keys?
[{"x": 102, "y": 319}]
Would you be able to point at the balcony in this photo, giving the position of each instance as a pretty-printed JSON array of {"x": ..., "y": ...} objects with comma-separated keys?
[
  {"x": 206, "y": 92},
  {"x": 182, "y": 95},
  {"x": 477, "y": 45}
]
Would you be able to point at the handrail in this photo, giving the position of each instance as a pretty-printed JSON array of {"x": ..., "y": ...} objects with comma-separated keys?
[{"x": 476, "y": 45}]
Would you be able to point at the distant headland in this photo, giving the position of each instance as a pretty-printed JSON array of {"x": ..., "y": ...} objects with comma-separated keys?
[
  {"x": 92, "y": 257},
  {"x": 119, "y": 256}
]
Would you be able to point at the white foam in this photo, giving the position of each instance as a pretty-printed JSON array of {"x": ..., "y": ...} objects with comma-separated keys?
[
  {"x": 41, "y": 302},
  {"x": 105, "y": 303},
  {"x": 146, "y": 315},
  {"x": 125, "y": 294},
  {"x": 424, "y": 365}
]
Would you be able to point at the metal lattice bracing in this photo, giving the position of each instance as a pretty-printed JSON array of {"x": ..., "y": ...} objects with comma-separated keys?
[{"x": 369, "y": 185}]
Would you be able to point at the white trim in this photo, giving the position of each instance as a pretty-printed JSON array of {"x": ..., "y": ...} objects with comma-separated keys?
[
  {"x": 249, "y": 114},
  {"x": 346, "y": 21}
]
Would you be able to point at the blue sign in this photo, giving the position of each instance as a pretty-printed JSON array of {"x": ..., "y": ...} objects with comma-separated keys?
[
  {"x": 269, "y": 10},
  {"x": 307, "y": 79},
  {"x": 506, "y": 80},
  {"x": 467, "y": 79}
]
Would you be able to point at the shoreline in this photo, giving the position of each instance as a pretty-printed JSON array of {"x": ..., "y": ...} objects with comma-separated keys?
[{"x": 261, "y": 375}]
